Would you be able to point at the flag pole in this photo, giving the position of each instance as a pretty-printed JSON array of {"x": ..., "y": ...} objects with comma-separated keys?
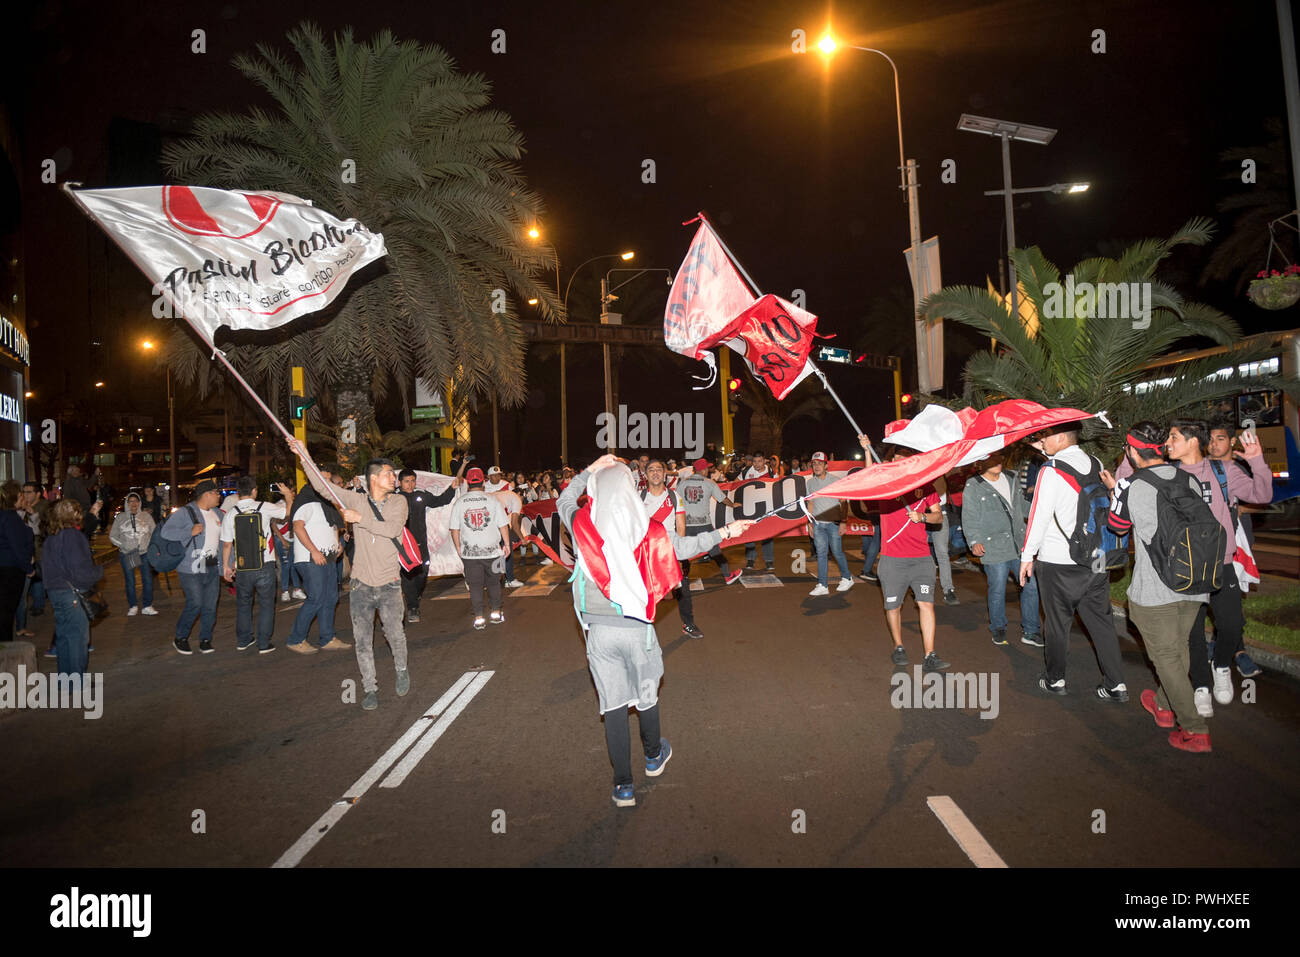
[
  {"x": 857, "y": 430},
  {"x": 216, "y": 353}
]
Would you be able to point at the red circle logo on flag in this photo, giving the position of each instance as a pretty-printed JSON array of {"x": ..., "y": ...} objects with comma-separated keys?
[{"x": 184, "y": 211}]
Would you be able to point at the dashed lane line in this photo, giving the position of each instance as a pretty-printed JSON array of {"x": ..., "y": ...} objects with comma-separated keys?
[
  {"x": 967, "y": 836},
  {"x": 294, "y": 855}
]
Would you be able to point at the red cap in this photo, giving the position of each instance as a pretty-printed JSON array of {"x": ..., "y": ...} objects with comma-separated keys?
[
  {"x": 474, "y": 476},
  {"x": 896, "y": 426},
  {"x": 702, "y": 465}
]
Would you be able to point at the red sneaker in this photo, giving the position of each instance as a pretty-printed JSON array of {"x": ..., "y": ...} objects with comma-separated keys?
[
  {"x": 1186, "y": 741},
  {"x": 733, "y": 575},
  {"x": 1164, "y": 719}
]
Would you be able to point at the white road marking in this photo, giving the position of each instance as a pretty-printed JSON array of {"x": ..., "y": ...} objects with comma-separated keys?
[
  {"x": 968, "y": 838},
  {"x": 413, "y": 757},
  {"x": 294, "y": 855}
]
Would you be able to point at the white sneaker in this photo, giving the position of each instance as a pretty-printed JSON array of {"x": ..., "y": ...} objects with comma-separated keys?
[
  {"x": 547, "y": 561},
  {"x": 284, "y": 596},
  {"x": 148, "y": 610},
  {"x": 1204, "y": 706},
  {"x": 132, "y": 611},
  {"x": 514, "y": 583},
  {"x": 299, "y": 593},
  {"x": 845, "y": 584},
  {"x": 819, "y": 591},
  {"x": 1223, "y": 685}
]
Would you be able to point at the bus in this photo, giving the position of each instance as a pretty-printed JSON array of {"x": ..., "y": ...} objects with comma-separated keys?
[{"x": 1271, "y": 413}]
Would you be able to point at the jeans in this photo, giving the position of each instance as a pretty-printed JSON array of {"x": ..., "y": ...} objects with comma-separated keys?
[
  {"x": 826, "y": 538},
  {"x": 955, "y": 535},
  {"x": 618, "y": 740},
  {"x": 201, "y": 590},
  {"x": 20, "y": 615},
  {"x": 146, "y": 581},
  {"x": 938, "y": 538},
  {"x": 480, "y": 572},
  {"x": 997, "y": 573},
  {"x": 871, "y": 547},
  {"x": 364, "y": 601},
  {"x": 288, "y": 570},
  {"x": 769, "y": 552},
  {"x": 38, "y": 597},
  {"x": 322, "y": 586},
  {"x": 259, "y": 584},
  {"x": 71, "y": 632}
]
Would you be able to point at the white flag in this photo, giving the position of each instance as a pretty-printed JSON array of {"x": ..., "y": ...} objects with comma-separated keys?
[{"x": 247, "y": 260}]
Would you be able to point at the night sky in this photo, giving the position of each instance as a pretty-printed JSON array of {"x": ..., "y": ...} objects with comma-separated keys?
[{"x": 793, "y": 158}]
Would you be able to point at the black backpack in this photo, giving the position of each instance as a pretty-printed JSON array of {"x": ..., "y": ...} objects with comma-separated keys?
[
  {"x": 250, "y": 540},
  {"x": 1092, "y": 544},
  {"x": 1188, "y": 546},
  {"x": 164, "y": 554}
]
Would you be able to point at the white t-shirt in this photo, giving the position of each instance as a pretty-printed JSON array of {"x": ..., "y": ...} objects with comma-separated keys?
[
  {"x": 478, "y": 517},
  {"x": 211, "y": 531},
  {"x": 510, "y": 500},
  {"x": 653, "y": 502},
  {"x": 753, "y": 473},
  {"x": 322, "y": 534},
  {"x": 268, "y": 511},
  {"x": 1002, "y": 485}
]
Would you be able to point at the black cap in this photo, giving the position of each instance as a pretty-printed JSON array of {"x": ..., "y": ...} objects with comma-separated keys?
[{"x": 207, "y": 485}]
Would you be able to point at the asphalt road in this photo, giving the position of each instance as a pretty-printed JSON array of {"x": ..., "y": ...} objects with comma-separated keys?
[{"x": 787, "y": 750}]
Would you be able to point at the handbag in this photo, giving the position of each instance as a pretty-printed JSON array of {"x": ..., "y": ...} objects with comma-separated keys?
[
  {"x": 92, "y": 603},
  {"x": 408, "y": 549}
]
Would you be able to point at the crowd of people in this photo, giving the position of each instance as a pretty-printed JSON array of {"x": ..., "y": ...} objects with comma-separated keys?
[{"x": 1025, "y": 520}]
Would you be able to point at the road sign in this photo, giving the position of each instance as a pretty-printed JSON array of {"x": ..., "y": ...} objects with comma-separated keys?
[
  {"x": 831, "y": 354},
  {"x": 426, "y": 412}
]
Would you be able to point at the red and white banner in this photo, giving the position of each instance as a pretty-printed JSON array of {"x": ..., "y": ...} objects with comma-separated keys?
[
  {"x": 947, "y": 440},
  {"x": 247, "y": 260}
]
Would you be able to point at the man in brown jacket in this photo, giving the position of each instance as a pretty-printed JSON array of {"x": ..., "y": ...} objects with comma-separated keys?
[{"x": 377, "y": 516}]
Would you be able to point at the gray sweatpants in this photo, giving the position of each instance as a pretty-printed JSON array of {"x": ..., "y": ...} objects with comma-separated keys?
[{"x": 365, "y": 600}]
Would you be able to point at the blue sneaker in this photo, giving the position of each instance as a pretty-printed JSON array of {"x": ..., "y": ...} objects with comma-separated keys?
[
  {"x": 1246, "y": 665},
  {"x": 624, "y": 796},
  {"x": 655, "y": 766}
]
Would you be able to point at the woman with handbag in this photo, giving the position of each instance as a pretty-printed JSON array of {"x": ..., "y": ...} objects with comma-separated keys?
[
  {"x": 69, "y": 569},
  {"x": 17, "y": 552},
  {"x": 130, "y": 533}
]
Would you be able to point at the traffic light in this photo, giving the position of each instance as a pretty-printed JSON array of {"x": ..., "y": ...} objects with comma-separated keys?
[
  {"x": 906, "y": 398},
  {"x": 298, "y": 406},
  {"x": 733, "y": 392}
]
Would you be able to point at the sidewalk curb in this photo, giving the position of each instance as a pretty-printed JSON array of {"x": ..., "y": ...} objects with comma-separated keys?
[{"x": 1266, "y": 656}]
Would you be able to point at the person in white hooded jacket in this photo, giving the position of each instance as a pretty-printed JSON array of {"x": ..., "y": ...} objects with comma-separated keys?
[{"x": 130, "y": 533}]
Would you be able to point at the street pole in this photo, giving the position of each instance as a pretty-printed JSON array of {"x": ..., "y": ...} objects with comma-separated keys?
[
  {"x": 610, "y": 431},
  {"x": 1011, "y": 223},
  {"x": 299, "y": 425},
  {"x": 1290, "y": 83},
  {"x": 496, "y": 440},
  {"x": 920, "y": 281},
  {"x": 171, "y": 438},
  {"x": 728, "y": 424},
  {"x": 564, "y": 410}
]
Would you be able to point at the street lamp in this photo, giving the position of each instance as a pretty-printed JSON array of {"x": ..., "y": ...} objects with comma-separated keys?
[
  {"x": 149, "y": 346},
  {"x": 607, "y": 318},
  {"x": 920, "y": 271},
  {"x": 1069, "y": 189},
  {"x": 1007, "y": 131}
]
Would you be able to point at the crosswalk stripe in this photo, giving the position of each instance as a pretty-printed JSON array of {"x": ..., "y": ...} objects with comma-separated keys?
[
  {"x": 967, "y": 836},
  {"x": 413, "y": 757}
]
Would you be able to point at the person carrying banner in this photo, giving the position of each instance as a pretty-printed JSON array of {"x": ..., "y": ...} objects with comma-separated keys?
[
  {"x": 759, "y": 470},
  {"x": 1162, "y": 615},
  {"x": 905, "y": 562},
  {"x": 480, "y": 530},
  {"x": 698, "y": 493},
  {"x": 624, "y": 564},
  {"x": 824, "y": 528},
  {"x": 378, "y": 518},
  {"x": 198, "y": 524},
  {"x": 1067, "y": 586},
  {"x": 248, "y": 560}
]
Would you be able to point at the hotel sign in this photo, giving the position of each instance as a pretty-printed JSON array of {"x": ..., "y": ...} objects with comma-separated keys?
[{"x": 13, "y": 341}]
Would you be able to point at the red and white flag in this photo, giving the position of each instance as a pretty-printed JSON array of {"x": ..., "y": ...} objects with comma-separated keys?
[
  {"x": 711, "y": 305},
  {"x": 247, "y": 260}
]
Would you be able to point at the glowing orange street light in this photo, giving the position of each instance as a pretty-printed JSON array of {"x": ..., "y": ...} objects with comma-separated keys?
[
  {"x": 534, "y": 233},
  {"x": 827, "y": 44},
  {"x": 627, "y": 256},
  {"x": 146, "y": 345}
]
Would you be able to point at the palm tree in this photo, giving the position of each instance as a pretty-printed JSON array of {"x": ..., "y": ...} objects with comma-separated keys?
[
  {"x": 434, "y": 172},
  {"x": 1090, "y": 362}
]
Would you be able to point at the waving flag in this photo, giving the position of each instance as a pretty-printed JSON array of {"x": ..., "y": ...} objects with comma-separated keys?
[
  {"x": 247, "y": 260},
  {"x": 711, "y": 305},
  {"x": 946, "y": 440}
]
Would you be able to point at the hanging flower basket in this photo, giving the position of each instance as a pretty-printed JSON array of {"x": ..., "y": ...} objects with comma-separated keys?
[{"x": 1276, "y": 290}]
